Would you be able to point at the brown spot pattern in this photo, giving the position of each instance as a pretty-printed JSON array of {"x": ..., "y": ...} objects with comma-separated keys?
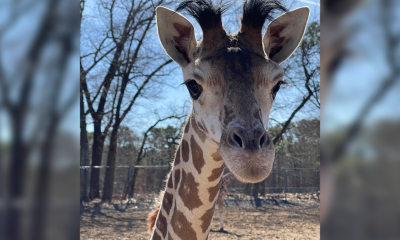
[
  {"x": 185, "y": 150},
  {"x": 212, "y": 129},
  {"x": 204, "y": 126},
  {"x": 169, "y": 184},
  {"x": 216, "y": 173},
  {"x": 177, "y": 177},
  {"x": 156, "y": 236},
  {"x": 167, "y": 202},
  {"x": 206, "y": 219},
  {"x": 216, "y": 156},
  {"x": 178, "y": 156},
  {"x": 213, "y": 192},
  {"x": 200, "y": 125},
  {"x": 187, "y": 126},
  {"x": 197, "y": 155},
  {"x": 189, "y": 191},
  {"x": 162, "y": 224},
  {"x": 182, "y": 227},
  {"x": 199, "y": 133}
]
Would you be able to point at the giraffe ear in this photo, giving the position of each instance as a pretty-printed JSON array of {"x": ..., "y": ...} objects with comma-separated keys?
[
  {"x": 176, "y": 34},
  {"x": 284, "y": 34}
]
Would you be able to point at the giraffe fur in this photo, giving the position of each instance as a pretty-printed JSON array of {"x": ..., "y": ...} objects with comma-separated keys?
[{"x": 232, "y": 80}]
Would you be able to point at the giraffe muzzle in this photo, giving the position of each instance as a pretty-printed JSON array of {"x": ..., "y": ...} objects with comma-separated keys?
[
  {"x": 251, "y": 140},
  {"x": 247, "y": 152}
]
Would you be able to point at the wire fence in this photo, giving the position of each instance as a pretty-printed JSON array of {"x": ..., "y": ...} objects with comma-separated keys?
[{"x": 151, "y": 180}]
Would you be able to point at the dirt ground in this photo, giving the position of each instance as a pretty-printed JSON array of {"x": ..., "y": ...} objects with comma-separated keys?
[{"x": 296, "y": 219}]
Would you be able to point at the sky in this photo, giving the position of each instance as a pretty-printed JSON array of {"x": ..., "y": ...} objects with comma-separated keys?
[
  {"x": 362, "y": 72},
  {"x": 173, "y": 93}
]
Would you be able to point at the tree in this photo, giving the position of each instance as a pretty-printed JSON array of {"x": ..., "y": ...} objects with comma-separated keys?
[
  {"x": 119, "y": 117},
  {"x": 36, "y": 96},
  {"x": 170, "y": 138},
  {"x": 123, "y": 47}
]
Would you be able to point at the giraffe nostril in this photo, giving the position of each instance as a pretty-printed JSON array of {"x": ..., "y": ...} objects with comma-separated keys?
[
  {"x": 262, "y": 141},
  {"x": 238, "y": 140}
]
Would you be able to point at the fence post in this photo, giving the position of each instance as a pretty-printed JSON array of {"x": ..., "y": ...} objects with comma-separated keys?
[
  {"x": 285, "y": 180},
  {"x": 129, "y": 182}
]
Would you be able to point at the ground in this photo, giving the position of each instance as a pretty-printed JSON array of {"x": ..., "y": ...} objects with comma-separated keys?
[{"x": 292, "y": 219}]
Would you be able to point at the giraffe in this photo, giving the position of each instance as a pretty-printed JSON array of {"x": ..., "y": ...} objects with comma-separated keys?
[
  {"x": 223, "y": 192},
  {"x": 232, "y": 80}
]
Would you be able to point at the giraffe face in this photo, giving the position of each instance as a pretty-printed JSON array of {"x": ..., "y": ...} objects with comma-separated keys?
[
  {"x": 233, "y": 79},
  {"x": 232, "y": 92}
]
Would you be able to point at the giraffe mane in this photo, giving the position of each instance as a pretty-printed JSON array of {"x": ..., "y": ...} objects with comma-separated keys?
[
  {"x": 204, "y": 11},
  {"x": 151, "y": 219},
  {"x": 255, "y": 12}
]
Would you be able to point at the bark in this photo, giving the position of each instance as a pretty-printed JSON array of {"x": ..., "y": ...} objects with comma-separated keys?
[
  {"x": 111, "y": 159},
  {"x": 97, "y": 152},
  {"x": 84, "y": 161}
]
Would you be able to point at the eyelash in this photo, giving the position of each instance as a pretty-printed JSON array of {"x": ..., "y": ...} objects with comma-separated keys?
[{"x": 276, "y": 88}]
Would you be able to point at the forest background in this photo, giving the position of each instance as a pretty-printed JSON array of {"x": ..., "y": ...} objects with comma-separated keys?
[{"x": 133, "y": 106}]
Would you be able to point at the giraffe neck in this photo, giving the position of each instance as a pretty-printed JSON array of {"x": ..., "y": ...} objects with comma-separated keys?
[{"x": 192, "y": 187}]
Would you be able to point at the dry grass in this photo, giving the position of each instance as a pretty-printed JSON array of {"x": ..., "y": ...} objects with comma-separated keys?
[{"x": 286, "y": 221}]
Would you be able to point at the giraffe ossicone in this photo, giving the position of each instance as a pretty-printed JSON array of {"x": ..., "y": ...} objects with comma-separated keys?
[{"x": 232, "y": 80}]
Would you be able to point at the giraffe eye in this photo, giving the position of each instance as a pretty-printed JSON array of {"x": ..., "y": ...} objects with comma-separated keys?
[
  {"x": 194, "y": 89},
  {"x": 276, "y": 88}
]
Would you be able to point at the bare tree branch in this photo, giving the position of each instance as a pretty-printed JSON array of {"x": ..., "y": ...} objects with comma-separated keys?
[{"x": 142, "y": 87}]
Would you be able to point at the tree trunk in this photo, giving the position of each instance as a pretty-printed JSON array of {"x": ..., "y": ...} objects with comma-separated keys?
[
  {"x": 84, "y": 173},
  {"x": 17, "y": 177},
  {"x": 111, "y": 159},
  {"x": 97, "y": 153},
  {"x": 256, "y": 190},
  {"x": 131, "y": 185}
]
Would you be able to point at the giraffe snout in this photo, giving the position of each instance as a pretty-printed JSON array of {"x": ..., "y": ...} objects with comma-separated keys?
[{"x": 248, "y": 139}]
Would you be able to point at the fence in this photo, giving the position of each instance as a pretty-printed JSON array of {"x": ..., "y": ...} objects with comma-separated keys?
[{"x": 151, "y": 180}]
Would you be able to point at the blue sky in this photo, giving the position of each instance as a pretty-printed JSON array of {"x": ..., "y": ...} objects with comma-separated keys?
[
  {"x": 174, "y": 94},
  {"x": 362, "y": 72}
]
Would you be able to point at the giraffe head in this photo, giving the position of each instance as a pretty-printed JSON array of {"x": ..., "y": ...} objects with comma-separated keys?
[{"x": 233, "y": 78}]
